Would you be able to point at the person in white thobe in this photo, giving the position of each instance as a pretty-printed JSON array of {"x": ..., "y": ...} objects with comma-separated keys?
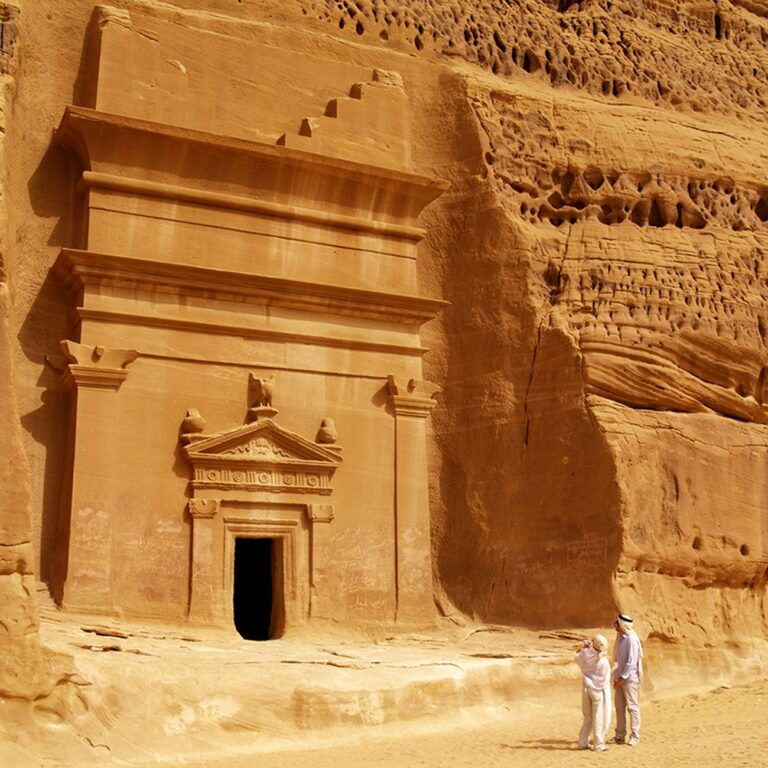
[
  {"x": 595, "y": 668},
  {"x": 627, "y": 677}
]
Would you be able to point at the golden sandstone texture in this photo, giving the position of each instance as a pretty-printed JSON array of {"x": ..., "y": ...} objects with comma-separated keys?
[{"x": 564, "y": 203}]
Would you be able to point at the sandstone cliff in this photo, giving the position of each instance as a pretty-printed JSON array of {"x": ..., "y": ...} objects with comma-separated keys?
[
  {"x": 30, "y": 674},
  {"x": 601, "y": 440}
]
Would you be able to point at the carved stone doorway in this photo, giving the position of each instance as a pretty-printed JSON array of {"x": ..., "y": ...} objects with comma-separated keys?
[
  {"x": 256, "y": 482},
  {"x": 257, "y": 594},
  {"x": 266, "y": 562}
]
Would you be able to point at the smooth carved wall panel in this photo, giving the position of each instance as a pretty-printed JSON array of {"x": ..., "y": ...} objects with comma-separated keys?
[
  {"x": 267, "y": 210},
  {"x": 139, "y": 76},
  {"x": 151, "y": 68}
]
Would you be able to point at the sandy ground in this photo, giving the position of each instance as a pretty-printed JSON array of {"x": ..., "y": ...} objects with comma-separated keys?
[
  {"x": 155, "y": 695},
  {"x": 724, "y": 727}
]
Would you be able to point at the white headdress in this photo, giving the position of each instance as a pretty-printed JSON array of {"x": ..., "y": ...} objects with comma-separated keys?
[{"x": 600, "y": 644}]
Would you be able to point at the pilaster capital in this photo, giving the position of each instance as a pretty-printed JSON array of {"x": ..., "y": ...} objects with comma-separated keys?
[
  {"x": 95, "y": 367},
  {"x": 204, "y": 508},
  {"x": 320, "y": 513},
  {"x": 411, "y": 397}
]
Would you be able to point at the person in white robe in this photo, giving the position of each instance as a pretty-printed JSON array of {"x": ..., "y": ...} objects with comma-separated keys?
[
  {"x": 596, "y": 709},
  {"x": 627, "y": 679}
]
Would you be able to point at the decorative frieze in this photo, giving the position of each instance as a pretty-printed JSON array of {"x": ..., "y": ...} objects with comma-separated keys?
[
  {"x": 262, "y": 479},
  {"x": 258, "y": 447}
]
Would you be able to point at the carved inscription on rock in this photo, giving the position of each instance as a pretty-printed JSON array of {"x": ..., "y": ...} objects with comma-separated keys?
[{"x": 366, "y": 584}]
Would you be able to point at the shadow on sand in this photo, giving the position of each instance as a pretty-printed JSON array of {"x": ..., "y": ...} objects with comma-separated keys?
[{"x": 551, "y": 744}]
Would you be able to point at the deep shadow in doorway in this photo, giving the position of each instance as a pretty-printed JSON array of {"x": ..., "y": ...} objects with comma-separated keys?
[{"x": 253, "y": 594}]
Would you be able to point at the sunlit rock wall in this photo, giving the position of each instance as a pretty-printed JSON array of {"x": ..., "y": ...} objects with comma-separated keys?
[
  {"x": 600, "y": 441},
  {"x": 28, "y": 671}
]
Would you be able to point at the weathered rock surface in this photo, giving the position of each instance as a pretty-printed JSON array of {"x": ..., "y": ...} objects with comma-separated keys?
[{"x": 29, "y": 672}]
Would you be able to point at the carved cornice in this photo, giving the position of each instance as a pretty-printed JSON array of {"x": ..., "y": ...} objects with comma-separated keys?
[
  {"x": 411, "y": 406},
  {"x": 86, "y": 268},
  {"x": 92, "y": 179},
  {"x": 242, "y": 331},
  {"x": 95, "y": 367},
  {"x": 204, "y": 508},
  {"x": 411, "y": 397},
  {"x": 323, "y": 190}
]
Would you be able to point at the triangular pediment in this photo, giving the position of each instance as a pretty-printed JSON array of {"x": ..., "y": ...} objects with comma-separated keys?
[
  {"x": 263, "y": 441},
  {"x": 261, "y": 457}
]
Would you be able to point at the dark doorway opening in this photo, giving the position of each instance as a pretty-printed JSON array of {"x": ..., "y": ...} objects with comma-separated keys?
[{"x": 253, "y": 594}]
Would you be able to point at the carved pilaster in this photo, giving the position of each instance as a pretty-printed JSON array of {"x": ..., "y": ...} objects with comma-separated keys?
[
  {"x": 95, "y": 367},
  {"x": 91, "y": 503},
  {"x": 203, "y": 512},
  {"x": 322, "y": 559},
  {"x": 411, "y": 402}
]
